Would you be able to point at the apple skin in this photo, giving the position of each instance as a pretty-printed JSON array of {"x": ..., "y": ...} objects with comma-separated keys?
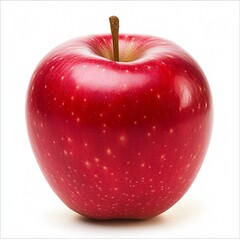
[{"x": 119, "y": 139}]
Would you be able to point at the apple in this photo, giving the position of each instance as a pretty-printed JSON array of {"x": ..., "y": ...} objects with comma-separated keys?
[{"x": 119, "y": 138}]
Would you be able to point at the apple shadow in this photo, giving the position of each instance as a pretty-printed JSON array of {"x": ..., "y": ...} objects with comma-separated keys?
[
  {"x": 123, "y": 223},
  {"x": 184, "y": 211}
]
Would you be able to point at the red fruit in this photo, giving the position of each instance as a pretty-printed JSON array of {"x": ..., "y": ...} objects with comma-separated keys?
[{"x": 119, "y": 139}]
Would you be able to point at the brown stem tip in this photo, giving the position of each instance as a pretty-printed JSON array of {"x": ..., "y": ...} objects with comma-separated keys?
[{"x": 114, "y": 24}]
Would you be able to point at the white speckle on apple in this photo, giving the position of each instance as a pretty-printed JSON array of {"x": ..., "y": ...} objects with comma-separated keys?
[
  {"x": 143, "y": 165},
  {"x": 52, "y": 68},
  {"x": 77, "y": 87},
  {"x": 41, "y": 125},
  {"x": 109, "y": 151},
  {"x": 37, "y": 111},
  {"x": 163, "y": 156},
  {"x": 181, "y": 157},
  {"x": 85, "y": 144},
  {"x": 171, "y": 131},
  {"x": 163, "y": 63},
  {"x": 148, "y": 67},
  {"x": 71, "y": 68},
  {"x": 170, "y": 56},
  {"x": 139, "y": 154},
  {"x": 34, "y": 123},
  {"x": 193, "y": 110},
  {"x": 101, "y": 114},
  {"x": 55, "y": 99},
  {"x": 103, "y": 69},
  {"x": 199, "y": 106},
  {"x": 78, "y": 119},
  {"x": 84, "y": 66},
  {"x": 69, "y": 139},
  {"x": 180, "y": 178},
  {"x": 175, "y": 149},
  {"x": 154, "y": 127},
  {"x": 104, "y": 168},
  {"x": 72, "y": 113},
  {"x": 205, "y": 105},
  {"x": 149, "y": 134},
  {"x": 200, "y": 126},
  {"x": 144, "y": 116},
  {"x": 84, "y": 99},
  {"x": 72, "y": 98},
  {"x": 127, "y": 71},
  {"x": 122, "y": 138},
  {"x": 136, "y": 68},
  {"x": 45, "y": 86},
  {"x": 63, "y": 103},
  {"x": 87, "y": 163},
  {"x": 65, "y": 152},
  {"x": 135, "y": 122},
  {"x": 97, "y": 66}
]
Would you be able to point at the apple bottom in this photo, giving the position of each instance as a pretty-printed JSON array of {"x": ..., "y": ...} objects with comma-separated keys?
[{"x": 139, "y": 177}]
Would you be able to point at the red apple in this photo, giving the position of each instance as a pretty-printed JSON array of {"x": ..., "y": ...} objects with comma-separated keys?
[{"x": 119, "y": 139}]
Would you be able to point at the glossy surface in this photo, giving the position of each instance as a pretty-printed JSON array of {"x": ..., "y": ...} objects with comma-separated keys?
[{"x": 119, "y": 139}]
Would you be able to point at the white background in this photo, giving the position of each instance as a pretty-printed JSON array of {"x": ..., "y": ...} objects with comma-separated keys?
[{"x": 208, "y": 30}]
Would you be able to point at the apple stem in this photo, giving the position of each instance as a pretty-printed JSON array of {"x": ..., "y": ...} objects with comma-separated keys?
[{"x": 114, "y": 24}]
